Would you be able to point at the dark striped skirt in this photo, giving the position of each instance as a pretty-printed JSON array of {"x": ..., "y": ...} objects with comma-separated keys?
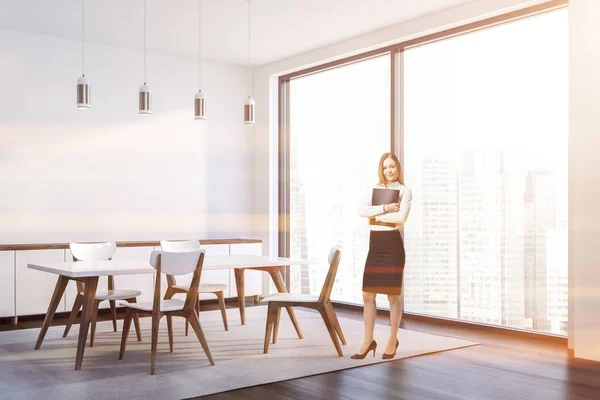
[{"x": 385, "y": 263}]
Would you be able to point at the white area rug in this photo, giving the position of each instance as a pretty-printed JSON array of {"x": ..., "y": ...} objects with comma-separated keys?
[{"x": 49, "y": 373}]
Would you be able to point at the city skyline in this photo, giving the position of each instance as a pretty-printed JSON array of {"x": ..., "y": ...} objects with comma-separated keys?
[{"x": 473, "y": 252}]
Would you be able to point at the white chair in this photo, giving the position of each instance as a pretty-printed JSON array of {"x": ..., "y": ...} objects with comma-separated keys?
[
  {"x": 211, "y": 288},
  {"x": 170, "y": 264},
  {"x": 94, "y": 252},
  {"x": 321, "y": 303}
]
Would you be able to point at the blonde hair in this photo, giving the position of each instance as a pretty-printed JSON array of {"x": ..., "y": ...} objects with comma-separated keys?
[{"x": 384, "y": 157}]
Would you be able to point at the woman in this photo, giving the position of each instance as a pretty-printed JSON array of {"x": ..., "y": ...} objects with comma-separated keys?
[{"x": 385, "y": 262}]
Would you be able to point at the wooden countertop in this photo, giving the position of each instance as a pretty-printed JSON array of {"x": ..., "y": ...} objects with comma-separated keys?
[{"x": 52, "y": 246}]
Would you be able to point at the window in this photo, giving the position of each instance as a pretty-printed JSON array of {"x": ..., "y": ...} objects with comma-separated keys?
[
  {"x": 339, "y": 127},
  {"x": 485, "y": 150}
]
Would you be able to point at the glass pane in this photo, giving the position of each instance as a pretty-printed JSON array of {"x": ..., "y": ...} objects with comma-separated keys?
[
  {"x": 485, "y": 150},
  {"x": 339, "y": 127}
]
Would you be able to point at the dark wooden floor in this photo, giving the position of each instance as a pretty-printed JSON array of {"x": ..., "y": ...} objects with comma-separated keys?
[{"x": 504, "y": 366}]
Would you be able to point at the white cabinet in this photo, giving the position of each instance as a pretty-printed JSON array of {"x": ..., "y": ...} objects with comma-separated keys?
[
  {"x": 252, "y": 279},
  {"x": 7, "y": 283},
  {"x": 35, "y": 288}
]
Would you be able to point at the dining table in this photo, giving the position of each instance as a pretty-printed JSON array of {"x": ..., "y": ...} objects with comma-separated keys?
[{"x": 88, "y": 272}]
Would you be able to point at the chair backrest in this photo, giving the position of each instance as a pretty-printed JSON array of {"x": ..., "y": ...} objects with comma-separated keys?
[
  {"x": 176, "y": 263},
  {"x": 182, "y": 263},
  {"x": 334, "y": 261},
  {"x": 93, "y": 251},
  {"x": 179, "y": 246}
]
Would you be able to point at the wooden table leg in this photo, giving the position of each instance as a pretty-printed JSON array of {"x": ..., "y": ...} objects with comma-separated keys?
[
  {"x": 59, "y": 289},
  {"x": 89, "y": 297},
  {"x": 241, "y": 292},
  {"x": 275, "y": 273}
]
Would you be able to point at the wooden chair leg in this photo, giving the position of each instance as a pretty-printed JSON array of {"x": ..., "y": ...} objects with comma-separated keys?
[
  {"x": 126, "y": 326},
  {"x": 336, "y": 323},
  {"x": 292, "y": 315},
  {"x": 170, "y": 330},
  {"x": 331, "y": 330},
  {"x": 276, "y": 324},
  {"x": 187, "y": 322},
  {"x": 221, "y": 299},
  {"x": 113, "y": 310},
  {"x": 136, "y": 320},
  {"x": 195, "y": 322},
  {"x": 74, "y": 311},
  {"x": 154, "y": 345},
  {"x": 277, "y": 278},
  {"x": 94, "y": 318},
  {"x": 169, "y": 293},
  {"x": 271, "y": 314},
  {"x": 187, "y": 325}
]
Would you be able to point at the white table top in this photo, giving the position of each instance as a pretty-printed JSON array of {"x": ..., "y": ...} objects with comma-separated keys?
[{"x": 82, "y": 269}]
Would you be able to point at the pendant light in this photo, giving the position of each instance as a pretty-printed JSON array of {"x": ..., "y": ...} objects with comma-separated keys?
[
  {"x": 249, "y": 106},
  {"x": 83, "y": 83},
  {"x": 199, "y": 99},
  {"x": 145, "y": 96}
]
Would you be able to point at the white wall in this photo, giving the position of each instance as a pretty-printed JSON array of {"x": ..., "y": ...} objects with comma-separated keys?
[
  {"x": 108, "y": 173},
  {"x": 584, "y": 177}
]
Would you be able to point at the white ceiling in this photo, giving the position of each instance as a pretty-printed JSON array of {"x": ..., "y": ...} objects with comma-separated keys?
[{"x": 279, "y": 28}]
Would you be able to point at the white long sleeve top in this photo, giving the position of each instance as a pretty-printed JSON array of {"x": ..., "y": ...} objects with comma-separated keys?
[{"x": 394, "y": 220}]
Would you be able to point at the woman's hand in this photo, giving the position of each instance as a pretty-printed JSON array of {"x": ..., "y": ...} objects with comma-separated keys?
[{"x": 391, "y": 208}]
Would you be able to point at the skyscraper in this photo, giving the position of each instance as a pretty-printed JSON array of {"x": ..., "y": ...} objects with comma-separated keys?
[
  {"x": 558, "y": 275},
  {"x": 431, "y": 245},
  {"x": 540, "y": 218},
  {"x": 510, "y": 222},
  {"x": 470, "y": 241},
  {"x": 479, "y": 236}
]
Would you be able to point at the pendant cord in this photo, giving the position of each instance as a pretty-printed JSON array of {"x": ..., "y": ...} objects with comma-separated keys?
[
  {"x": 248, "y": 48},
  {"x": 144, "y": 42},
  {"x": 83, "y": 37},
  {"x": 200, "y": 44}
]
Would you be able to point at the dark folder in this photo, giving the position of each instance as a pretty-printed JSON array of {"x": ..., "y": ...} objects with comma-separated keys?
[{"x": 385, "y": 196}]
